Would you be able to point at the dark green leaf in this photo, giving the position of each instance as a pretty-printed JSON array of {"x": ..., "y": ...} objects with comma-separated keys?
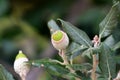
[
  {"x": 86, "y": 78},
  {"x": 83, "y": 70},
  {"x": 84, "y": 67},
  {"x": 110, "y": 41},
  {"x": 88, "y": 53},
  {"x": 106, "y": 62},
  {"x": 102, "y": 78},
  {"x": 110, "y": 22},
  {"x": 117, "y": 59},
  {"x": 72, "y": 46},
  {"x": 117, "y": 46},
  {"x": 52, "y": 66},
  {"x": 53, "y": 26},
  {"x": 76, "y": 34},
  {"x": 71, "y": 76},
  {"x": 75, "y": 49},
  {"x": 4, "y": 74},
  {"x": 77, "y": 53}
]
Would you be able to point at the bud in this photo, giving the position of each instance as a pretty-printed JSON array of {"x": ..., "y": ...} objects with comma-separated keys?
[
  {"x": 96, "y": 41},
  {"x": 20, "y": 65},
  {"x": 59, "y": 39}
]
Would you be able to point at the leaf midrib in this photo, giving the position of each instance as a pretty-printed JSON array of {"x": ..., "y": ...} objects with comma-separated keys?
[
  {"x": 108, "y": 67},
  {"x": 111, "y": 13},
  {"x": 109, "y": 17},
  {"x": 80, "y": 36}
]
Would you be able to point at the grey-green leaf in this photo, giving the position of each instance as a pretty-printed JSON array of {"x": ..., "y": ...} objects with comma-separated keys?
[
  {"x": 75, "y": 50},
  {"x": 117, "y": 59},
  {"x": 84, "y": 67},
  {"x": 76, "y": 34},
  {"x": 53, "y": 26},
  {"x": 4, "y": 74},
  {"x": 117, "y": 46},
  {"x": 88, "y": 53},
  {"x": 110, "y": 41},
  {"x": 102, "y": 78},
  {"x": 107, "y": 63},
  {"x": 109, "y": 22},
  {"x": 52, "y": 66}
]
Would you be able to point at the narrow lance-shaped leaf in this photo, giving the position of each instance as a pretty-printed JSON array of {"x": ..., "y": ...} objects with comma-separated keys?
[
  {"x": 106, "y": 62},
  {"x": 109, "y": 22},
  {"x": 4, "y": 74},
  {"x": 52, "y": 66},
  {"x": 76, "y": 34},
  {"x": 84, "y": 67},
  {"x": 117, "y": 46},
  {"x": 53, "y": 26}
]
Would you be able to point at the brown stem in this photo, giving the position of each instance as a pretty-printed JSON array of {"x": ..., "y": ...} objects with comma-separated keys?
[{"x": 93, "y": 75}]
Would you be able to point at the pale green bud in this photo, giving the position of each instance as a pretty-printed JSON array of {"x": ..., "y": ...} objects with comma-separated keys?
[{"x": 59, "y": 39}]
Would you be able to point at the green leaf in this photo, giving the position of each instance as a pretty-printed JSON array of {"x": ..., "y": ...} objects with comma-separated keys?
[
  {"x": 109, "y": 22},
  {"x": 75, "y": 50},
  {"x": 72, "y": 46},
  {"x": 76, "y": 34},
  {"x": 53, "y": 26},
  {"x": 88, "y": 53},
  {"x": 52, "y": 66},
  {"x": 93, "y": 50},
  {"x": 4, "y": 74},
  {"x": 102, "y": 78},
  {"x": 107, "y": 63},
  {"x": 116, "y": 46},
  {"x": 117, "y": 59},
  {"x": 110, "y": 41},
  {"x": 84, "y": 67},
  {"x": 77, "y": 53}
]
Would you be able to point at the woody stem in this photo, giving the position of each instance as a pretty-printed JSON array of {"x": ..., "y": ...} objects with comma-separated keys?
[{"x": 93, "y": 75}]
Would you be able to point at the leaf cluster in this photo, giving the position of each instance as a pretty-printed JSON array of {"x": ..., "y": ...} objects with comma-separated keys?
[{"x": 81, "y": 46}]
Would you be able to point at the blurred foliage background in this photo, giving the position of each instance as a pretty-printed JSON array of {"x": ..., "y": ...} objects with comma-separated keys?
[{"x": 23, "y": 26}]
